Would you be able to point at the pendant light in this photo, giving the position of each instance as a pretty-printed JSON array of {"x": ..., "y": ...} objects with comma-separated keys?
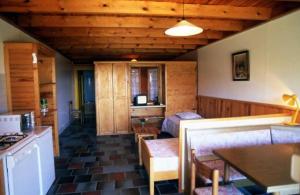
[{"x": 183, "y": 28}]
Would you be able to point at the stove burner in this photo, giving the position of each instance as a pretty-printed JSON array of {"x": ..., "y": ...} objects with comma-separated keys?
[{"x": 8, "y": 140}]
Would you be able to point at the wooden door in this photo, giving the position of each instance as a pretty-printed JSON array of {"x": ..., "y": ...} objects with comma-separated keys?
[
  {"x": 121, "y": 108},
  {"x": 181, "y": 87},
  {"x": 104, "y": 98}
]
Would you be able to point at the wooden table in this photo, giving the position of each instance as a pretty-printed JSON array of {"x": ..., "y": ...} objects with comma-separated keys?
[
  {"x": 142, "y": 132},
  {"x": 268, "y": 166}
]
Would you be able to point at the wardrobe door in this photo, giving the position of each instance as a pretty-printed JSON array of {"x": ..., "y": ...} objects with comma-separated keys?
[
  {"x": 120, "y": 91},
  {"x": 181, "y": 87},
  {"x": 104, "y": 98}
]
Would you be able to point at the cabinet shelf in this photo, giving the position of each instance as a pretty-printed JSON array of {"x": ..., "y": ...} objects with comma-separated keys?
[
  {"x": 150, "y": 117},
  {"x": 42, "y": 84}
]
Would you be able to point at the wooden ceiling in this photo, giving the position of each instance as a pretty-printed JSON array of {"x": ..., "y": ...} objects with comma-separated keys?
[{"x": 88, "y": 30}]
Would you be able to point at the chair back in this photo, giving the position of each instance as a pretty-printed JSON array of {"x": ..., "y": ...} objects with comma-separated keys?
[
  {"x": 295, "y": 168},
  {"x": 198, "y": 168}
]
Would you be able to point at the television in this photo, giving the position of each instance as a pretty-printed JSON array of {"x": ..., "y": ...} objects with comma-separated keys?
[{"x": 140, "y": 100}]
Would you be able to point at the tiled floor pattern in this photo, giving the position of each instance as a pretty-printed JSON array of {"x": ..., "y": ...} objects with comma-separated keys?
[{"x": 91, "y": 165}]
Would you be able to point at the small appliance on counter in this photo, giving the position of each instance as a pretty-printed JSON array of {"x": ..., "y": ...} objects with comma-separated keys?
[
  {"x": 16, "y": 121},
  {"x": 140, "y": 100}
]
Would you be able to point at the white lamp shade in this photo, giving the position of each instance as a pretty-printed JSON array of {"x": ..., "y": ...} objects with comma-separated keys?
[{"x": 183, "y": 28}]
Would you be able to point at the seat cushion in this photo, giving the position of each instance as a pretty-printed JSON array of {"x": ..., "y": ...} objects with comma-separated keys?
[
  {"x": 219, "y": 164},
  {"x": 223, "y": 190},
  {"x": 164, "y": 153},
  {"x": 285, "y": 135}
]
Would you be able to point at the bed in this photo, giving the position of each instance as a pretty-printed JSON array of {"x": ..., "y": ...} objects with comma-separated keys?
[{"x": 171, "y": 123}]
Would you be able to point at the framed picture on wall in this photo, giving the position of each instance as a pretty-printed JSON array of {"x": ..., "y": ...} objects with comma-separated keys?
[{"x": 240, "y": 66}]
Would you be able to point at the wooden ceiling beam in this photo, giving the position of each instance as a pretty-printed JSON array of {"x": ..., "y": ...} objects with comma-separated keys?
[
  {"x": 123, "y": 22},
  {"x": 115, "y": 32},
  {"x": 126, "y": 57},
  {"x": 89, "y": 55},
  {"x": 123, "y": 46},
  {"x": 126, "y": 40},
  {"x": 122, "y": 51},
  {"x": 141, "y": 8}
]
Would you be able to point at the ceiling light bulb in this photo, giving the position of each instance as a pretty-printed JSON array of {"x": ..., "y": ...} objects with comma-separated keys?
[{"x": 183, "y": 28}]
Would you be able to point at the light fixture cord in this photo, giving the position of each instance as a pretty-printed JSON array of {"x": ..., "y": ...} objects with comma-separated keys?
[{"x": 183, "y": 10}]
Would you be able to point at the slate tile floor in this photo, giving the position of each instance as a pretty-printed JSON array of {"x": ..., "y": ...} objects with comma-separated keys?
[{"x": 90, "y": 165}]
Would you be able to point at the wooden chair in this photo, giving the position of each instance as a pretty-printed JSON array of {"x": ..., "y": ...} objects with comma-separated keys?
[
  {"x": 295, "y": 167},
  {"x": 199, "y": 168}
]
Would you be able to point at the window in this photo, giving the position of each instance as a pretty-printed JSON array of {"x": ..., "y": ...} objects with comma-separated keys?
[
  {"x": 145, "y": 80},
  {"x": 135, "y": 82},
  {"x": 153, "y": 84}
]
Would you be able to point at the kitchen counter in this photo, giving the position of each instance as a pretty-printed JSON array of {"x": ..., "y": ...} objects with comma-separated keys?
[{"x": 36, "y": 132}]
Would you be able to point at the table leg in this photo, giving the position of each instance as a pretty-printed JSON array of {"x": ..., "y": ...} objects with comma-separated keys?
[
  {"x": 140, "y": 150},
  {"x": 226, "y": 172}
]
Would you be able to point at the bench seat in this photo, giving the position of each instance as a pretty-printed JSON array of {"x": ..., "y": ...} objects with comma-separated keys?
[{"x": 164, "y": 153}]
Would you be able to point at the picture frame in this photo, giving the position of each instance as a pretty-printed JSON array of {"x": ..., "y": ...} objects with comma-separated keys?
[{"x": 240, "y": 66}]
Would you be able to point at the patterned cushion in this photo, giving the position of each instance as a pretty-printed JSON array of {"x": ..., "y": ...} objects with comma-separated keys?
[
  {"x": 206, "y": 143},
  {"x": 219, "y": 164},
  {"x": 223, "y": 190}
]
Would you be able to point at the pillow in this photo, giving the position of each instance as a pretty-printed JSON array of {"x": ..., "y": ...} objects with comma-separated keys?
[{"x": 188, "y": 115}]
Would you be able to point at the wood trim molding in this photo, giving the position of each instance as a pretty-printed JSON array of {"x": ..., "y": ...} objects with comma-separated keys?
[
  {"x": 214, "y": 107},
  {"x": 2, "y": 183}
]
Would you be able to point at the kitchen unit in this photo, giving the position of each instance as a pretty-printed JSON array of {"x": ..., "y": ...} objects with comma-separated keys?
[
  {"x": 30, "y": 77},
  {"x": 26, "y": 162}
]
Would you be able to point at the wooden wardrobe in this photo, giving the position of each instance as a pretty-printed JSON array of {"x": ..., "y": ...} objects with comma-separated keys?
[
  {"x": 112, "y": 98},
  {"x": 113, "y": 93}
]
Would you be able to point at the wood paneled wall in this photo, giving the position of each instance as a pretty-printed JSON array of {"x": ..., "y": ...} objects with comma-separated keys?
[
  {"x": 181, "y": 87},
  {"x": 212, "y": 107}
]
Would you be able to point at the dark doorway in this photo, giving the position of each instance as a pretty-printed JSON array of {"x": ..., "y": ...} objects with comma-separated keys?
[{"x": 87, "y": 95}]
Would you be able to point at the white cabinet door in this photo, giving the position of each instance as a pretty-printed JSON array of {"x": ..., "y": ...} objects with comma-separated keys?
[
  {"x": 23, "y": 171},
  {"x": 46, "y": 160}
]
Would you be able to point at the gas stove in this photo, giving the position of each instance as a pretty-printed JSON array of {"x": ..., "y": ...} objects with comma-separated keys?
[{"x": 10, "y": 139}]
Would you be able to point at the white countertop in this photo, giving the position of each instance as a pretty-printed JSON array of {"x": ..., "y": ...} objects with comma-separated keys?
[
  {"x": 149, "y": 106},
  {"x": 36, "y": 132}
]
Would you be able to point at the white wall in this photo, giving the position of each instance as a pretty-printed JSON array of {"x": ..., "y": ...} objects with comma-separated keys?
[
  {"x": 63, "y": 73},
  {"x": 274, "y": 63},
  {"x": 65, "y": 92}
]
